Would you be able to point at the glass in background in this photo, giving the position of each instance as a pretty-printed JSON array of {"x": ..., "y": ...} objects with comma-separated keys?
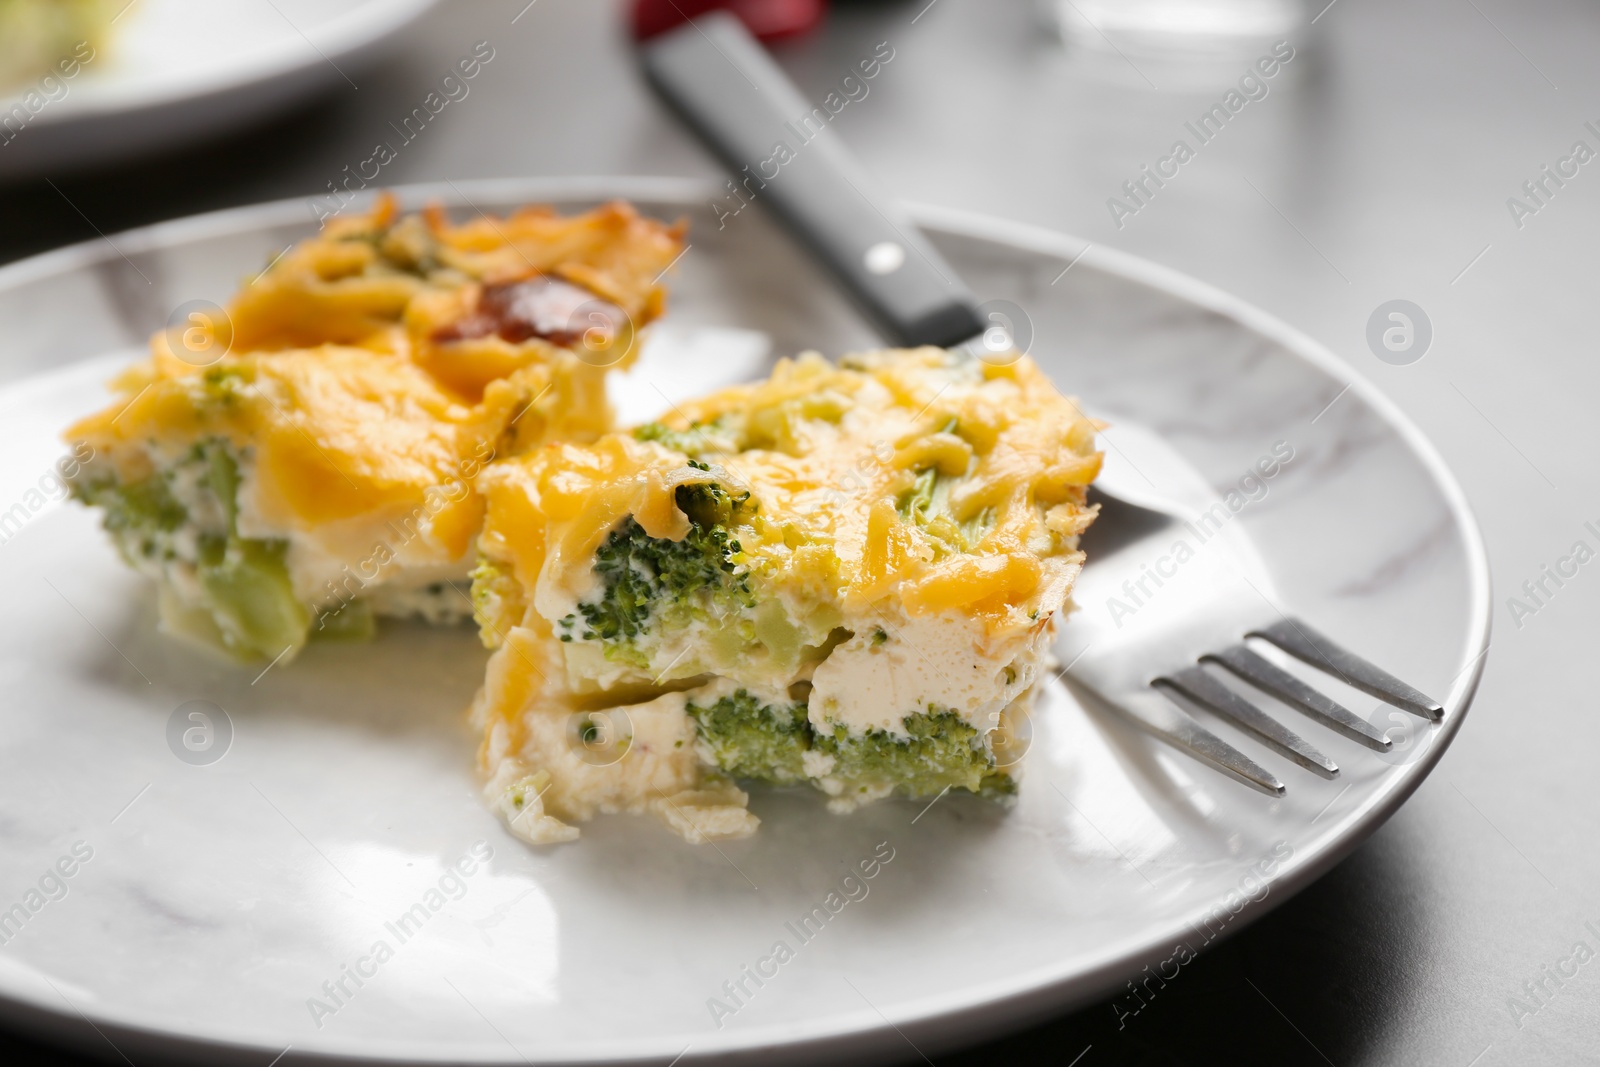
[{"x": 1174, "y": 44}]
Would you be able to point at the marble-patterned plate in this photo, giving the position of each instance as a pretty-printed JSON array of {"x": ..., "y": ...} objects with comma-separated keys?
[{"x": 323, "y": 878}]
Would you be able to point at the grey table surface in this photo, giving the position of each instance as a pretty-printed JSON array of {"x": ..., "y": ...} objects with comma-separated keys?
[{"x": 1379, "y": 170}]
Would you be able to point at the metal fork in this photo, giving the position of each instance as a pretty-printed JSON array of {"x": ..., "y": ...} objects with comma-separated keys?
[
  {"x": 743, "y": 104},
  {"x": 1171, "y": 591}
]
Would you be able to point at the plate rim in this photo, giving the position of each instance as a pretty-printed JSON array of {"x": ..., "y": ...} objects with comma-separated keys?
[{"x": 939, "y": 1022}]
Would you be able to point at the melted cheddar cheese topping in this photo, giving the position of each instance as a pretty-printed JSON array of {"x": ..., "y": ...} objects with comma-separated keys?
[{"x": 830, "y": 455}]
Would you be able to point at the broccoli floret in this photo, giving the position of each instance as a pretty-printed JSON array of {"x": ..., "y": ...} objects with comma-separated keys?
[
  {"x": 938, "y": 750},
  {"x": 498, "y": 601},
  {"x": 145, "y": 516},
  {"x": 645, "y": 578},
  {"x": 141, "y": 516},
  {"x": 699, "y": 438},
  {"x": 749, "y": 739},
  {"x": 709, "y": 504},
  {"x": 623, "y": 610},
  {"x": 221, "y": 387},
  {"x": 643, "y": 575}
]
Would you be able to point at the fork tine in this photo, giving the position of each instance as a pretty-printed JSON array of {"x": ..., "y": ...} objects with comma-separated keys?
[
  {"x": 1198, "y": 685},
  {"x": 1264, "y": 674},
  {"x": 1304, "y": 643},
  {"x": 1160, "y": 715}
]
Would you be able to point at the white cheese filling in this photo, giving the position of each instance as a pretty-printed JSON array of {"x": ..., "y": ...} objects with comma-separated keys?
[{"x": 924, "y": 664}]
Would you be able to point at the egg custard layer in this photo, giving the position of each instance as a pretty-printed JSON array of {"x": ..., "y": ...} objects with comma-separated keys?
[
  {"x": 303, "y": 461},
  {"x": 844, "y": 576}
]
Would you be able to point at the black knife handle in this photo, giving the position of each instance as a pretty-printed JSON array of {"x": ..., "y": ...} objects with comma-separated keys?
[{"x": 783, "y": 154}]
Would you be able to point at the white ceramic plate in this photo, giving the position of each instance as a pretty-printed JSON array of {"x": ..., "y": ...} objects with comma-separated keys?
[
  {"x": 177, "y": 70},
  {"x": 219, "y": 899}
]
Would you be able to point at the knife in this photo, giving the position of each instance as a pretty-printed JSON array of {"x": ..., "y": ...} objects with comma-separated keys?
[{"x": 784, "y": 154}]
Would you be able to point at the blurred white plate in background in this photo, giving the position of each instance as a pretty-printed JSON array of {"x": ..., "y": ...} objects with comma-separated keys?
[{"x": 177, "y": 70}]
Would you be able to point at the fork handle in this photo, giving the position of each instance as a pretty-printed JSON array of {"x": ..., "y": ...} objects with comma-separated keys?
[{"x": 783, "y": 153}]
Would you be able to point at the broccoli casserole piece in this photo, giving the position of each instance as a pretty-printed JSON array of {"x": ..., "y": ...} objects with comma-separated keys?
[
  {"x": 304, "y": 461},
  {"x": 844, "y": 576}
]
